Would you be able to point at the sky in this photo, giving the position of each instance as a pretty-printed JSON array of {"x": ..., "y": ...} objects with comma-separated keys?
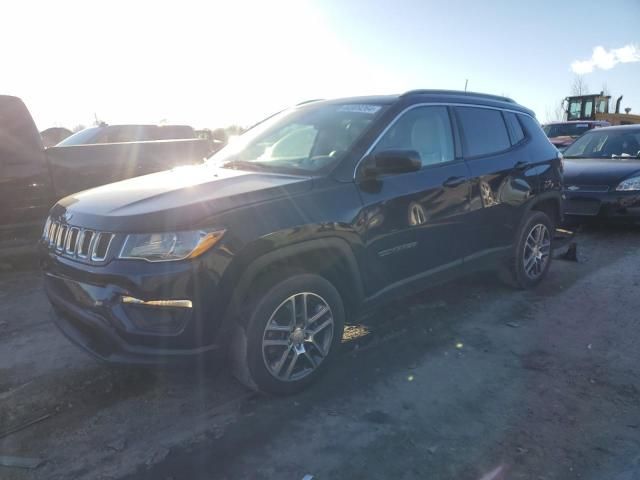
[{"x": 215, "y": 63}]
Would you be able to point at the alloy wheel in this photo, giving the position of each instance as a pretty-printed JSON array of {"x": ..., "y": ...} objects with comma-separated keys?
[
  {"x": 537, "y": 249},
  {"x": 298, "y": 336}
]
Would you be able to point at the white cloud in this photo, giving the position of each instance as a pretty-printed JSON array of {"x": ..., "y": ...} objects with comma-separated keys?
[{"x": 606, "y": 59}]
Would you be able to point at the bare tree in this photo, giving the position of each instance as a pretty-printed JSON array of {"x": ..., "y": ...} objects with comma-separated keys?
[
  {"x": 78, "y": 127},
  {"x": 556, "y": 113},
  {"x": 579, "y": 86}
]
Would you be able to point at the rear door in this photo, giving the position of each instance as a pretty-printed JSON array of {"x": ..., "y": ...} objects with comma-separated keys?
[
  {"x": 415, "y": 221},
  {"x": 502, "y": 178},
  {"x": 25, "y": 189}
]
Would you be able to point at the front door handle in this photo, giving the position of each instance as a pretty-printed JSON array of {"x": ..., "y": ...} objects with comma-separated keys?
[
  {"x": 454, "y": 182},
  {"x": 521, "y": 165}
]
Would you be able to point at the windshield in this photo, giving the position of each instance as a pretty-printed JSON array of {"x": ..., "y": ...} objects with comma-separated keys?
[
  {"x": 565, "y": 129},
  {"x": 301, "y": 140},
  {"x": 128, "y": 133},
  {"x": 606, "y": 144},
  {"x": 88, "y": 135}
]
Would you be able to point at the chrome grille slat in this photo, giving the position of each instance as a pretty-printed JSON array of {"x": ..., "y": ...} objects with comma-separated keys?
[
  {"x": 53, "y": 232},
  {"x": 97, "y": 255},
  {"x": 60, "y": 237},
  {"x": 72, "y": 241},
  {"x": 82, "y": 251},
  {"x": 77, "y": 243}
]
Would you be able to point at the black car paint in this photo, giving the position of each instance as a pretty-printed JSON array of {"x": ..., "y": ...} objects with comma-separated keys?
[
  {"x": 590, "y": 190},
  {"x": 359, "y": 227},
  {"x": 590, "y": 187}
]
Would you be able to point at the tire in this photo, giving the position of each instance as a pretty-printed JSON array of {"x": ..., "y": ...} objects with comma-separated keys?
[
  {"x": 272, "y": 355},
  {"x": 522, "y": 270}
]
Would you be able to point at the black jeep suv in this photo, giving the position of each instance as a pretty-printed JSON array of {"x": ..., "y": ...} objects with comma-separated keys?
[{"x": 311, "y": 215}]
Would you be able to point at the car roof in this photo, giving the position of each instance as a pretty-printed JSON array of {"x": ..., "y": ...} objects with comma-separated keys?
[
  {"x": 436, "y": 96},
  {"x": 577, "y": 121},
  {"x": 635, "y": 126}
]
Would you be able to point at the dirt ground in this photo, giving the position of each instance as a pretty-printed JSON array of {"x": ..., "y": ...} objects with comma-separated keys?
[{"x": 471, "y": 380}]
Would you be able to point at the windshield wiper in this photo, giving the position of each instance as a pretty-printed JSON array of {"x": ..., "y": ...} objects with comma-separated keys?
[{"x": 245, "y": 165}]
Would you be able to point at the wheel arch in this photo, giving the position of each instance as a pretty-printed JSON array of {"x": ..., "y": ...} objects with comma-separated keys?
[
  {"x": 549, "y": 203},
  {"x": 329, "y": 257}
]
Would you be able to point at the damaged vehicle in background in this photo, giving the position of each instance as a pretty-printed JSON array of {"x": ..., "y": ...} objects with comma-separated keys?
[
  {"x": 563, "y": 134},
  {"x": 602, "y": 176},
  {"x": 32, "y": 178},
  {"x": 313, "y": 215}
]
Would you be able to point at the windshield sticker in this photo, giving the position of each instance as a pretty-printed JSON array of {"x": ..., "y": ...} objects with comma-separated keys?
[
  {"x": 582, "y": 125},
  {"x": 359, "y": 108}
]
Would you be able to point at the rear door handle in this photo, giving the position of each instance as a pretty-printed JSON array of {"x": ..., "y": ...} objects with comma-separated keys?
[
  {"x": 454, "y": 182},
  {"x": 521, "y": 165}
]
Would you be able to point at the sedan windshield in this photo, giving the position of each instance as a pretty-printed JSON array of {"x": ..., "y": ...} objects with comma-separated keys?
[
  {"x": 83, "y": 137},
  {"x": 565, "y": 129},
  {"x": 302, "y": 140},
  {"x": 606, "y": 144}
]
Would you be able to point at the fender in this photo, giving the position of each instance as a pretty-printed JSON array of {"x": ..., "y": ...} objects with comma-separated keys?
[{"x": 235, "y": 290}]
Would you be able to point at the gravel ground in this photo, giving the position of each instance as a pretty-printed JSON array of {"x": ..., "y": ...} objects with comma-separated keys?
[{"x": 471, "y": 380}]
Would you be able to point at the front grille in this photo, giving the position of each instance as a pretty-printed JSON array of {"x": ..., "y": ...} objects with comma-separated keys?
[
  {"x": 75, "y": 242},
  {"x": 582, "y": 206}
]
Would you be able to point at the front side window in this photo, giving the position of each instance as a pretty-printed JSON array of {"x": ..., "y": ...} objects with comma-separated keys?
[
  {"x": 588, "y": 108},
  {"x": 575, "y": 107},
  {"x": 301, "y": 140},
  {"x": 427, "y": 130},
  {"x": 484, "y": 131},
  {"x": 603, "y": 105}
]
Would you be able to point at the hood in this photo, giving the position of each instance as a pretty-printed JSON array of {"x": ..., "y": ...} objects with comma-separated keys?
[
  {"x": 599, "y": 171},
  {"x": 174, "y": 199}
]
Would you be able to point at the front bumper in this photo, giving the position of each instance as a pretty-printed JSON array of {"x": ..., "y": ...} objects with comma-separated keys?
[
  {"x": 88, "y": 308},
  {"x": 610, "y": 206}
]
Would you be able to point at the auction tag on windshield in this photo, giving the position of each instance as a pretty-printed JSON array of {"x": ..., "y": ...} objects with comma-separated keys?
[
  {"x": 582, "y": 125},
  {"x": 360, "y": 108}
]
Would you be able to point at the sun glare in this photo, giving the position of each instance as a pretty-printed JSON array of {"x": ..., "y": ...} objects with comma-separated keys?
[{"x": 207, "y": 64}]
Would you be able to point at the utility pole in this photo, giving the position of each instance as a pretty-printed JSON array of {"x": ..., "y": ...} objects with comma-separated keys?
[{"x": 466, "y": 81}]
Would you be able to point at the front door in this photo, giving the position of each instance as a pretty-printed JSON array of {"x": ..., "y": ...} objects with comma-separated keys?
[{"x": 415, "y": 221}]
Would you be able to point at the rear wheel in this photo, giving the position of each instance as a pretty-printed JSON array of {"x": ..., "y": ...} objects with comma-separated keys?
[
  {"x": 291, "y": 335},
  {"x": 531, "y": 256}
]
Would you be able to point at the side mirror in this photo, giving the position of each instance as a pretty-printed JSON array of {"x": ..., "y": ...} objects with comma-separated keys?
[{"x": 392, "y": 162}]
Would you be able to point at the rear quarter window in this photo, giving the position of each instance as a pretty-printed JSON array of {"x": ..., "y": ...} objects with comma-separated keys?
[
  {"x": 515, "y": 129},
  {"x": 484, "y": 131},
  {"x": 532, "y": 127}
]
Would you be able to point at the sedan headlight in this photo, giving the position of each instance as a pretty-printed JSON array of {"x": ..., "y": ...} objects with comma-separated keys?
[
  {"x": 165, "y": 247},
  {"x": 629, "y": 184}
]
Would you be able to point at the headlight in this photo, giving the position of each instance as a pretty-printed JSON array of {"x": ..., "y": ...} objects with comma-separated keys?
[
  {"x": 629, "y": 184},
  {"x": 164, "y": 247}
]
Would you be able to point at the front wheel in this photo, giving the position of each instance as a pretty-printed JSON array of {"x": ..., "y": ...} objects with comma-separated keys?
[
  {"x": 531, "y": 256},
  {"x": 291, "y": 335}
]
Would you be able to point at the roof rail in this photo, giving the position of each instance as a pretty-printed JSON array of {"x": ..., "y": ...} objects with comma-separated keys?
[
  {"x": 458, "y": 92},
  {"x": 309, "y": 101}
]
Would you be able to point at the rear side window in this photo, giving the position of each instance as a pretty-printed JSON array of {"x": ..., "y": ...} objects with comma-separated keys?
[
  {"x": 515, "y": 129},
  {"x": 532, "y": 127},
  {"x": 484, "y": 131}
]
